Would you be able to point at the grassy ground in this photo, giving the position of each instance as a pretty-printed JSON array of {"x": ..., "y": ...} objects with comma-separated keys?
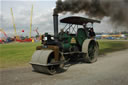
[
  {"x": 16, "y": 54},
  {"x": 111, "y": 46},
  {"x": 19, "y": 54}
]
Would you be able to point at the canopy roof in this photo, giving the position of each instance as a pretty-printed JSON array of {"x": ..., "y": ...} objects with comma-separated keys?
[{"x": 78, "y": 20}]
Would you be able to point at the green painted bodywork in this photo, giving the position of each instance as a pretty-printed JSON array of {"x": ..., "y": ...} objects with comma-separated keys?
[
  {"x": 66, "y": 39},
  {"x": 81, "y": 36}
]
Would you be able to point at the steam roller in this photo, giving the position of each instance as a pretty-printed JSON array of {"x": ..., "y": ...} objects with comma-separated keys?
[{"x": 73, "y": 42}]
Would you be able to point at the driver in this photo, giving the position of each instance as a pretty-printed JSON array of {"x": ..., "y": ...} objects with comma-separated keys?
[
  {"x": 86, "y": 29},
  {"x": 92, "y": 33},
  {"x": 61, "y": 32}
]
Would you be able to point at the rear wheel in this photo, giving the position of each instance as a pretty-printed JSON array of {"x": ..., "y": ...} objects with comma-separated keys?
[{"x": 92, "y": 52}]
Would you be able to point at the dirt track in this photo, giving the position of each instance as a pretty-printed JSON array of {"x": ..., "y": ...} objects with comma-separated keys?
[{"x": 111, "y": 69}]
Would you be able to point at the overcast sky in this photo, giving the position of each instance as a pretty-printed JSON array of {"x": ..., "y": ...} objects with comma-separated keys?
[{"x": 42, "y": 17}]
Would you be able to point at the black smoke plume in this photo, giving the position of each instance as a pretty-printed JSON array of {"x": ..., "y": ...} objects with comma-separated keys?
[{"x": 117, "y": 10}]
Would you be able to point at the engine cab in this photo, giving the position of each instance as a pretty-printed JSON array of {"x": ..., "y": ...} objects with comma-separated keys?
[{"x": 72, "y": 35}]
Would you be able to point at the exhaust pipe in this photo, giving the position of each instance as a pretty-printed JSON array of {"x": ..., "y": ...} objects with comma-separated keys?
[{"x": 55, "y": 23}]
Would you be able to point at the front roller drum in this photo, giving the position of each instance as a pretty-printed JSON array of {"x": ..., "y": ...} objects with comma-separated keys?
[
  {"x": 45, "y": 69},
  {"x": 44, "y": 61}
]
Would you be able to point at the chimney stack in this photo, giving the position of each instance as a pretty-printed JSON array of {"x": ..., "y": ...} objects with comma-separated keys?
[{"x": 55, "y": 23}]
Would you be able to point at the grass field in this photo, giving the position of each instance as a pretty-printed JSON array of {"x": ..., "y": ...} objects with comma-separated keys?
[
  {"x": 19, "y": 54},
  {"x": 111, "y": 46},
  {"x": 16, "y": 54}
]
